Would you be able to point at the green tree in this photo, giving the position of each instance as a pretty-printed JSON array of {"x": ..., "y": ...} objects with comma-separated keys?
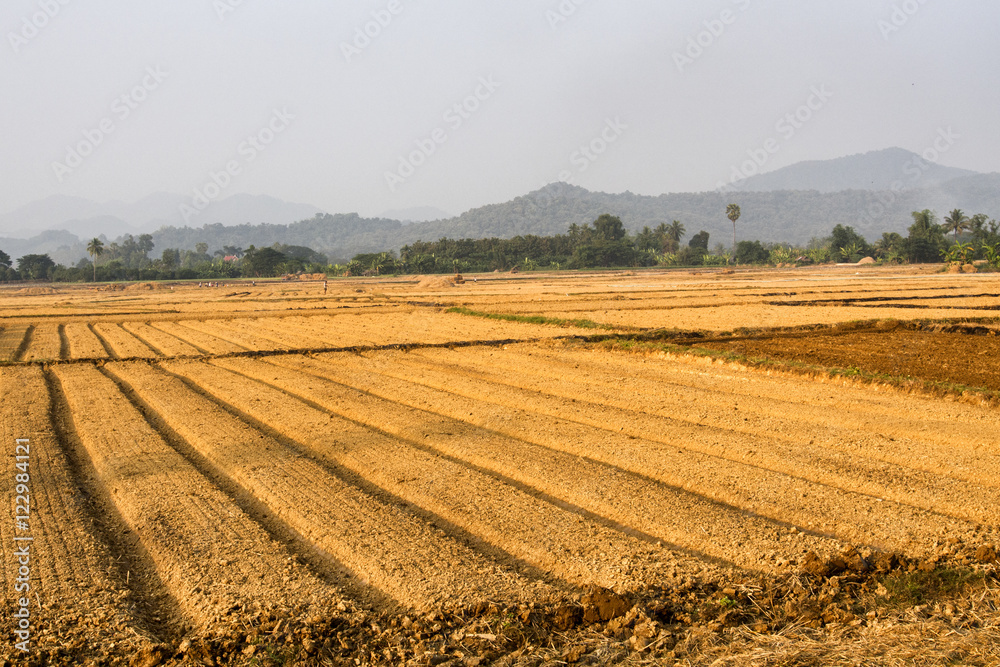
[
  {"x": 699, "y": 242},
  {"x": 751, "y": 252},
  {"x": 4, "y": 260},
  {"x": 171, "y": 258},
  {"x": 201, "y": 248},
  {"x": 956, "y": 222},
  {"x": 675, "y": 232},
  {"x": 35, "y": 267},
  {"x": 733, "y": 213},
  {"x": 263, "y": 262},
  {"x": 95, "y": 248},
  {"x": 926, "y": 242},
  {"x": 609, "y": 228},
  {"x": 845, "y": 237}
]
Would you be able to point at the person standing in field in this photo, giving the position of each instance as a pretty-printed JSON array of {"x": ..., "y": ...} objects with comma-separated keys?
[{"x": 324, "y": 287}]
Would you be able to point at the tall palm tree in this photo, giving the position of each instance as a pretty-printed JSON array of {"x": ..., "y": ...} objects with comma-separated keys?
[
  {"x": 956, "y": 222},
  {"x": 675, "y": 231},
  {"x": 733, "y": 213},
  {"x": 95, "y": 248}
]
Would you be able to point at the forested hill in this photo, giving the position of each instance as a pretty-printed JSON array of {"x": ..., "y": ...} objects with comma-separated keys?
[{"x": 781, "y": 216}]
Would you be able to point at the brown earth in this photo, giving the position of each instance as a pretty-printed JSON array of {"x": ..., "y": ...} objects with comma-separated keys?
[{"x": 728, "y": 468}]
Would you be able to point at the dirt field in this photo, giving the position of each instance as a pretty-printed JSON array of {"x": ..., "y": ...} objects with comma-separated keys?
[{"x": 720, "y": 468}]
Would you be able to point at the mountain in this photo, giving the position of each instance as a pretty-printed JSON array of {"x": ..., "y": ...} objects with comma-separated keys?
[
  {"x": 892, "y": 168},
  {"x": 86, "y": 218},
  {"x": 785, "y": 216},
  {"x": 417, "y": 214}
]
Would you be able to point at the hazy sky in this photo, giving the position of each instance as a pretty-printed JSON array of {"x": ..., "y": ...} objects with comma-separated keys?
[{"x": 385, "y": 104}]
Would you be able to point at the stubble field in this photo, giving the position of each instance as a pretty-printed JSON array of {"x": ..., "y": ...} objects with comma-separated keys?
[{"x": 784, "y": 467}]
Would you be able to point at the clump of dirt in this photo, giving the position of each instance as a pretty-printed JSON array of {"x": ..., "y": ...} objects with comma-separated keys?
[
  {"x": 145, "y": 287},
  {"x": 866, "y": 260},
  {"x": 439, "y": 281},
  {"x": 36, "y": 291},
  {"x": 830, "y": 608}
]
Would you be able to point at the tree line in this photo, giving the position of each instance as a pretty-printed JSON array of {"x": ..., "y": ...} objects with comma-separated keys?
[{"x": 603, "y": 243}]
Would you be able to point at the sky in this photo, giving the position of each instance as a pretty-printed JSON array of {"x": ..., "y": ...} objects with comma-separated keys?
[{"x": 377, "y": 105}]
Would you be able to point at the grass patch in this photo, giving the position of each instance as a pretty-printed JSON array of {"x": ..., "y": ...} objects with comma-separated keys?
[
  {"x": 532, "y": 319},
  {"x": 907, "y": 589}
]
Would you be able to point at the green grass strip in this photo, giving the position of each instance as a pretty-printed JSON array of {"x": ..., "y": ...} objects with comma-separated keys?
[{"x": 532, "y": 319}]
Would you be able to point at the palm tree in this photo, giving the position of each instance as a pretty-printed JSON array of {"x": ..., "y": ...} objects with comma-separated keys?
[
  {"x": 733, "y": 213},
  {"x": 675, "y": 232},
  {"x": 956, "y": 222},
  {"x": 95, "y": 248}
]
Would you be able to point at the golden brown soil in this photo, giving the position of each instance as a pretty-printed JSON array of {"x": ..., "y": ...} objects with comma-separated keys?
[{"x": 751, "y": 468}]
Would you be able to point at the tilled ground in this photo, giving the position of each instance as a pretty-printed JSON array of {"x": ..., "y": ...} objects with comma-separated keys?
[{"x": 365, "y": 478}]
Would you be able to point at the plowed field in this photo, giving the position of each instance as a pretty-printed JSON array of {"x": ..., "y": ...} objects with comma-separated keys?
[{"x": 793, "y": 467}]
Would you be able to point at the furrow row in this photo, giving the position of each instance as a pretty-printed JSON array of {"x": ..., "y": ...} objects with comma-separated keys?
[
  {"x": 627, "y": 498},
  {"x": 715, "y": 425},
  {"x": 887, "y": 426},
  {"x": 378, "y": 541},
  {"x": 509, "y": 519},
  {"x": 817, "y": 506},
  {"x": 211, "y": 557}
]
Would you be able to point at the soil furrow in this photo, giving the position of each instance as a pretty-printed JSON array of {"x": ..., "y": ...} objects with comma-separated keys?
[
  {"x": 212, "y": 558},
  {"x": 45, "y": 344},
  {"x": 830, "y": 510},
  {"x": 505, "y": 516},
  {"x": 673, "y": 515},
  {"x": 24, "y": 344},
  {"x": 66, "y": 559},
  {"x": 888, "y": 426},
  {"x": 395, "y": 552},
  {"x": 108, "y": 350},
  {"x": 710, "y": 425},
  {"x": 123, "y": 344},
  {"x": 206, "y": 343}
]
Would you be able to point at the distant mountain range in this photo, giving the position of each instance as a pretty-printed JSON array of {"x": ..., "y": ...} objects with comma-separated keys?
[
  {"x": 87, "y": 219},
  {"x": 888, "y": 169},
  {"x": 874, "y": 193}
]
